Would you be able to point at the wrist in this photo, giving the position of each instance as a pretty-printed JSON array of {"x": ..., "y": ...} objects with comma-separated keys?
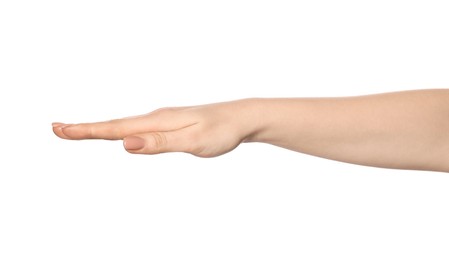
[{"x": 254, "y": 119}]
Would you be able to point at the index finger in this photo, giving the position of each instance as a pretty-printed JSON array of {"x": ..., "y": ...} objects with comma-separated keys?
[
  {"x": 117, "y": 129},
  {"x": 108, "y": 130}
]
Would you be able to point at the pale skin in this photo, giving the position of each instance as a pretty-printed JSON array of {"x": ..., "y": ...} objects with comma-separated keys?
[{"x": 401, "y": 130}]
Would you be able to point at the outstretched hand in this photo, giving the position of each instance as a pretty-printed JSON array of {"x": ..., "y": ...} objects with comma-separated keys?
[
  {"x": 401, "y": 130},
  {"x": 204, "y": 131}
]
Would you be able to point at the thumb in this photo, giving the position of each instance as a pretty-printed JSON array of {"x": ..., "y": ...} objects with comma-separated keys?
[{"x": 159, "y": 142}]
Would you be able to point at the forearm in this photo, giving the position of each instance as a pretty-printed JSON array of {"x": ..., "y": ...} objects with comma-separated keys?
[{"x": 408, "y": 130}]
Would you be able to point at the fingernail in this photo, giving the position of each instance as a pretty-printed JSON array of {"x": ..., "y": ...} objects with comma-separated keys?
[
  {"x": 65, "y": 125},
  {"x": 56, "y": 124},
  {"x": 60, "y": 125},
  {"x": 133, "y": 143}
]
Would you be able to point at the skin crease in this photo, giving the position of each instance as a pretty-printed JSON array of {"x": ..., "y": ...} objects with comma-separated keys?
[{"x": 401, "y": 130}]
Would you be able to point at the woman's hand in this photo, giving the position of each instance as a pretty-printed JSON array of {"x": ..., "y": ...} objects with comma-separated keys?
[
  {"x": 205, "y": 131},
  {"x": 403, "y": 130}
]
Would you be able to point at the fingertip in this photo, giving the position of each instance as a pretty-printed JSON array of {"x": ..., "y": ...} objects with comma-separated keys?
[{"x": 57, "y": 130}]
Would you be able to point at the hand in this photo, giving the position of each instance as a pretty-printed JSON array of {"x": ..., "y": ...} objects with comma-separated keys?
[{"x": 204, "y": 131}]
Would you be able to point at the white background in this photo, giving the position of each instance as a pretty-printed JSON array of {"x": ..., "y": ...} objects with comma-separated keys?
[{"x": 77, "y": 61}]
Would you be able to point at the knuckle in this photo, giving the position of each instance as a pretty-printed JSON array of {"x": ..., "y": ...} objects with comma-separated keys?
[
  {"x": 159, "y": 141},
  {"x": 163, "y": 110},
  {"x": 166, "y": 111}
]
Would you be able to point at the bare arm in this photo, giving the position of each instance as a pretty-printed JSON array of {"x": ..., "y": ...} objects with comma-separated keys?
[
  {"x": 395, "y": 130},
  {"x": 405, "y": 130}
]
